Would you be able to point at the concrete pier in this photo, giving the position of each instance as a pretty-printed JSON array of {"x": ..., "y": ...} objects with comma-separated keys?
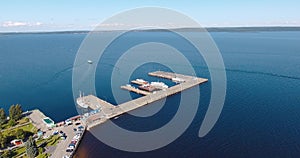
[{"x": 109, "y": 111}]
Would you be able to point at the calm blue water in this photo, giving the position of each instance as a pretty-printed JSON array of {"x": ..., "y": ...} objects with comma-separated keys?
[{"x": 261, "y": 116}]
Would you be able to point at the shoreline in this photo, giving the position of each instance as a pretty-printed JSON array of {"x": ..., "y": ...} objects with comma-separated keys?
[{"x": 72, "y": 130}]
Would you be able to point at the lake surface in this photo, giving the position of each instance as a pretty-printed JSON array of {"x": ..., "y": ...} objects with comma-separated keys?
[{"x": 260, "y": 118}]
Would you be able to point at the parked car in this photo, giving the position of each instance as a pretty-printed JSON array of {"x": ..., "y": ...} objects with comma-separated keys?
[
  {"x": 73, "y": 141},
  {"x": 76, "y": 137},
  {"x": 55, "y": 132},
  {"x": 71, "y": 146},
  {"x": 80, "y": 128},
  {"x": 77, "y": 123},
  {"x": 68, "y": 122}
]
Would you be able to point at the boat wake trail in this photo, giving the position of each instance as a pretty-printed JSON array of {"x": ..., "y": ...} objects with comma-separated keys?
[
  {"x": 57, "y": 75},
  {"x": 67, "y": 69},
  {"x": 257, "y": 72},
  {"x": 264, "y": 73}
]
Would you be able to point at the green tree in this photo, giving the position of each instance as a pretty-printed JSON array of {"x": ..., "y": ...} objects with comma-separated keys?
[
  {"x": 3, "y": 140},
  {"x": 31, "y": 148},
  {"x": 15, "y": 112},
  {"x": 12, "y": 112},
  {"x": 2, "y": 116},
  {"x": 7, "y": 154},
  {"x": 20, "y": 134},
  {"x": 19, "y": 112},
  {"x": 11, "y": 122},
  {"x": 41, "y": 150},
  {"x": 26, "y": 119}
]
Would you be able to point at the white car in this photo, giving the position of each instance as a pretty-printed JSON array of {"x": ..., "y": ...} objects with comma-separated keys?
[
  {"x": 76, "y": 137},
  {"x": 68, "y": 122}
]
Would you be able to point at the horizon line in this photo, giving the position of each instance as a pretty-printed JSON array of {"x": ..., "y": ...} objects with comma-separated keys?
[{"x": 207, "y": 28}]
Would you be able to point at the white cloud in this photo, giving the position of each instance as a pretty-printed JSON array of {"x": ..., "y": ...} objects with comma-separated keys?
[
  {"x": 38, "y": 23},
  {"x": 19, "y": 24},
  {"x": 13, "y": 24}
]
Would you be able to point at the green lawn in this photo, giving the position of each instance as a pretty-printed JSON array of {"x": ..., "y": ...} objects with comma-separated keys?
[
  {"x": 20, "y": 122},
  {"x": 19, "y": 151},
  {"x": 22, "y": 150},
  {"x": 51, "y": 141},
  {"x": 10, "y": 132},
  {"x": 28, "y": 128},
  {"x": 40, "y": 141},
  {"x": 23, "y": 120},
  {"x": 5, "y": 126}
]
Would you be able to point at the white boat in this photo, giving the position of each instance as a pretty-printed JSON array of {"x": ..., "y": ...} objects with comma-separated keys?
[
  {"x": 90, "y": 61},
  {"x": 141, "y": 81},
  {"x": 159, "y": 85}
]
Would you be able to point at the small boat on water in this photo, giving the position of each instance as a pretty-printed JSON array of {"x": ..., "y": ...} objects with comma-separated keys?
[
  {"x": 116, "y": 117},
  {"x": 90, "y": 61}
]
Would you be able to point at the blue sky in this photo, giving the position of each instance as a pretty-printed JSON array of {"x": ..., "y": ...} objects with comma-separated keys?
[{"x": 55, "y": 15}]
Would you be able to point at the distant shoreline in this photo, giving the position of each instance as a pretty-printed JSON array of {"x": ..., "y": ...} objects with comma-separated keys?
[{"x": 209, "y": 29}]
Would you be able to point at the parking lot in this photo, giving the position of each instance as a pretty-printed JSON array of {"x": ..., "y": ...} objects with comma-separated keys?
[{"x": 70, "y": 139}]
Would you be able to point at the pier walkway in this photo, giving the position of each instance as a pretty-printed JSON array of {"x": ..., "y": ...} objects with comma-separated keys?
[{"x": 109, "y": 111}]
